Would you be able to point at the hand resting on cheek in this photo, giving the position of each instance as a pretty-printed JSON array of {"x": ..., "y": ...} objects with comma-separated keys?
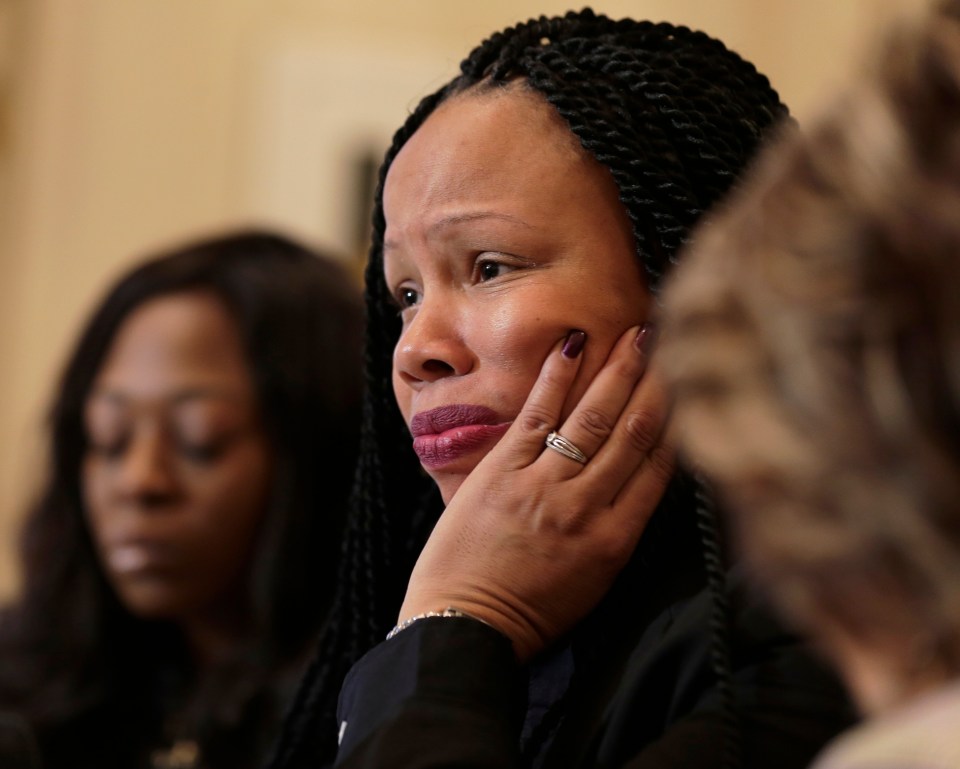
[{"x": 532, "y": 540}]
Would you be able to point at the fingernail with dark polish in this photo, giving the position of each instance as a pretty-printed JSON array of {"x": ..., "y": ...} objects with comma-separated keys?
[
  {"x": 646, "y": 336},
  {"x": 574, "y": 344}
]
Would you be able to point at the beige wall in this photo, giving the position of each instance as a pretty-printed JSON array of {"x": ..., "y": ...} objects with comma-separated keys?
[{"x": 140, "y": 121}]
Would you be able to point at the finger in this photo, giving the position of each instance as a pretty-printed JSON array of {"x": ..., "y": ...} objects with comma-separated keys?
[
  {"x": 626, "y": 517},
  {"x": 644, "y": 489},
  {"x": 637, "y": 433},
  {"x": 524, "y": 441},
  {"x": 592, "y": 420}
]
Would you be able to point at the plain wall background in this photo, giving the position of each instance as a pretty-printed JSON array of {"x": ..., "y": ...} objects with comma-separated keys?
[{"x": 127, "y": 125}]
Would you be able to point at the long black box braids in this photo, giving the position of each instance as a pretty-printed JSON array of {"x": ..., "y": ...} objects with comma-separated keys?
[{"x": 675, "y": 116}]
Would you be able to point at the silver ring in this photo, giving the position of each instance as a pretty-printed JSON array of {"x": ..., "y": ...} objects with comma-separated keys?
[{"x": 561, "y": 445}]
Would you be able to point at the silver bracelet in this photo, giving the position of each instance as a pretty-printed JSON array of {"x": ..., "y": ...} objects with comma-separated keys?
[{"x": 448, "y": 612}]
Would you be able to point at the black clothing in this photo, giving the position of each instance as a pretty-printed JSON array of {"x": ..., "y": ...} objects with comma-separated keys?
[
  {"x": 127, "y": 719},
  {"x": 641, "y": 693}
]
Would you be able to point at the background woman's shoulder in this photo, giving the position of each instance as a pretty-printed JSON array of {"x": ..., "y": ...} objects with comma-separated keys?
[{"x": 920, "y": 736}]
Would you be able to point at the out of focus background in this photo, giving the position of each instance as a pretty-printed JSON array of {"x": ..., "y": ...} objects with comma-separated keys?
[{"x": 129, "y": 125}]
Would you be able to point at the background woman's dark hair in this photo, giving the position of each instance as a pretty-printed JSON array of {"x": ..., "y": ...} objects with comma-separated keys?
[
  {"x": 675, "y": 117},
  {"x": 71, "y": 653}
]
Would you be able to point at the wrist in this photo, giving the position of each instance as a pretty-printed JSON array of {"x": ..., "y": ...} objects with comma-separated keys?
[{"x": 449, "y": 611}]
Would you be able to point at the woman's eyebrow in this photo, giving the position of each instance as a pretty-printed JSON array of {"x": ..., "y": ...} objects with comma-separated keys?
[
  {"x": 471, "y": 216},
  {"x": 451, "y": 220},
  {"x": 106, "y": 394},
  {"x": 204, "y": 393},
  {"x": 184, "y": 395}
]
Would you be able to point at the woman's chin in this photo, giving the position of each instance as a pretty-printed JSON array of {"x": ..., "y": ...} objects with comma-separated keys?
[
  {"x": 451, "y": 457},
  {"x": 449, "y": 481},
  {"x": 451, "y": 476}
]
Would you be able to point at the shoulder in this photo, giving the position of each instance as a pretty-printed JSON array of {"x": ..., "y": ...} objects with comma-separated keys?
[
  {"x": 923, "y": 734},
  {"x": 786, "y": 703},
  {"x": 685, "y": 635}
]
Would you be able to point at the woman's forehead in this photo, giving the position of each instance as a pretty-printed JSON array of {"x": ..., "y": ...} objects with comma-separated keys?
[
  {"x": 486, "y": 149},
  {"x": 500, "y": 123}
]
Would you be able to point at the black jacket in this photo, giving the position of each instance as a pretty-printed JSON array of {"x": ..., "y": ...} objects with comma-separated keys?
[{"x": 447, "y": 692}]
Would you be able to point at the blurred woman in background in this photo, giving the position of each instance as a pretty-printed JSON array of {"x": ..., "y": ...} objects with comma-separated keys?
[
  {"x": 813, "y": 340},
  {"x": 184, "y": 547}
]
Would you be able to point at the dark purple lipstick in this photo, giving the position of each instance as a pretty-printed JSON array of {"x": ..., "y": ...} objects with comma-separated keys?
[{"x": 443, "y": 435}]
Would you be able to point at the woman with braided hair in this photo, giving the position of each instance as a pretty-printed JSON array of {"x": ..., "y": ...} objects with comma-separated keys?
[{"x": 569, "y": 607}]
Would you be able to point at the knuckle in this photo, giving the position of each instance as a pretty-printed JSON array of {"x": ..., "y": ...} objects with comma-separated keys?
[
  {"x": 570, "y": 524},
  {"x": 611, "y": 550},
  {"x": 662, "y": 461},
  {"x": 642, "y": 429},
  {"x": 595, "y": 423},
  {"x": 566, "y": 516},
  {"x": 629, "y": 369},
  {"x": 578, "y": 515},
  {"x": 616, "y": 546},
  {"x": 552, "y": 380},
  {"x": 536, "y": 420}
]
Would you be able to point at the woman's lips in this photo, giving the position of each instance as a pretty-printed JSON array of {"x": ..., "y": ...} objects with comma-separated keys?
[
  {"x": 443, "y": 435},
  {"x": 137, "y": 557}
]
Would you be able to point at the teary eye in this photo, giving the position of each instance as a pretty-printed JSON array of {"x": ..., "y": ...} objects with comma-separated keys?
[
  {"x": 407, "y": 297},
  {"x": 488, "y": 270}
]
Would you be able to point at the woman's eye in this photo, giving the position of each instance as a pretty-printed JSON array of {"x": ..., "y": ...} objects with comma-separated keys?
[
  {"x": 200, "y": 453},
  {"x": 108, "y": 449},
  {"x": 407, "y": 297},
  {"x": 488, "y": 270}
]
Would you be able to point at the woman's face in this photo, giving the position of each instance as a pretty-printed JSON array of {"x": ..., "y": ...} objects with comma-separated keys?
[
  {"x": 177, "y": 469},
  {"x": 502, "y": 235}
]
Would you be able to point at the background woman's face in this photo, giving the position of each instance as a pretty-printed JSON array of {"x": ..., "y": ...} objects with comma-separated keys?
[
  {"x": 176, "y": 473},
  {"x": 502, "y": 235}
]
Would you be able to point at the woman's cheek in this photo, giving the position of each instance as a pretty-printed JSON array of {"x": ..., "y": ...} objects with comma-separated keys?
[
  {"x": 401, "y": 393},
  {"x": 92, "y": 487},
  {"x": 520, "y": 334},
  {"x": 519, "y": 324}
]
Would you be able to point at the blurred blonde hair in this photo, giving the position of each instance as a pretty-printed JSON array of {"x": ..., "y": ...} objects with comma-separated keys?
[{"x": 813, "y": 340}]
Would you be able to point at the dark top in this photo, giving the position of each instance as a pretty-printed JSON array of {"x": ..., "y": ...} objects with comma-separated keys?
[
  {"x": 633, "y": 686},
  {"x": 138, "y": 716}
]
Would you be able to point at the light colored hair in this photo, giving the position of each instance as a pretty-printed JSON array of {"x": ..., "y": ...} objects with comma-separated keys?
[{"x": 813, "y": 341}]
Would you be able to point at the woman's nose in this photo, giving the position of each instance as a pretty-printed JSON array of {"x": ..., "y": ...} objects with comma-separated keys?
[
  {"x": 145, "y": 471},
  {"x": 432, "y": 346}
]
